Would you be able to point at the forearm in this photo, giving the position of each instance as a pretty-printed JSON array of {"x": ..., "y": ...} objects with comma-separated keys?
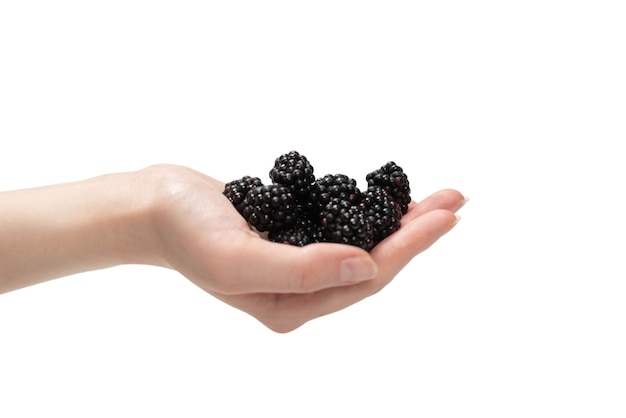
[{"x": 64, "y": 229}]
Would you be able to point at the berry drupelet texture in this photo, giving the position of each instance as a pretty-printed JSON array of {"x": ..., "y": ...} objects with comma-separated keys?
[
  {"x": 347, "y": 224},
  {"x": 329, "y": 187},
  {"x": 237, "y": 190},
  {"x": 305, "y": 230},
  {"x": 299, "y": 209},
  {"x": 294, "y": 171},
  {"x": 269, "y": 207},
  {"x": 382, "y": 211},
  {"x": 392, "y": 177}
]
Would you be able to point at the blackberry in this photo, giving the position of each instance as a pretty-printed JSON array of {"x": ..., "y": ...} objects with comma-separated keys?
[
  {"x": 237, "y": 190},
  {"x": 391, "y": 177},
  {"x": 305, "y": 230},
  {"x": 299, "y": 209},
  {"x": 294, "y": 171},
  {"x": 382, "y": 211},
  {"x": 347, "y": 224},
  {"x": 269, "y": 207},
  {"x": 330, "y": 187}
]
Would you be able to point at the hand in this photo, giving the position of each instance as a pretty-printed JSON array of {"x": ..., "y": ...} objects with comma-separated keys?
[
  {"x": 178, "y": 218},
  {"x": 205, "y": 239}
]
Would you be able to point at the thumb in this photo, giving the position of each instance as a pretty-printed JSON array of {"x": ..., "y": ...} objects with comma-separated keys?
[{"x": 269, "y": 267}]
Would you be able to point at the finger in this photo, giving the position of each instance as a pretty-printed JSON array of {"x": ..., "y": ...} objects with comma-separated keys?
[
  {"x": 396, "y": 251},
  {"x": 448, "y": 199},
  {"x": 264, "y": 266},
  {"x": 413, "y": 238},
  {"x": 286, "y": 312},
  {"x": 268, "y": 267}
]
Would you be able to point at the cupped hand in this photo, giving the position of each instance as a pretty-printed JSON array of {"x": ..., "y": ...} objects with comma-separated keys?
[{"x": 203, "y": 237}]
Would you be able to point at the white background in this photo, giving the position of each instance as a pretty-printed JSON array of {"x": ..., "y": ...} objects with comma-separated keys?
[{"x": 519, "y": 311}]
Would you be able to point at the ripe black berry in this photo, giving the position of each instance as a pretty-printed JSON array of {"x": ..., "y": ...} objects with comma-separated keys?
[
  {"x": 391, "y": 177},
  {"x": 347, "y": 224},
  {"x": 305, "y": 230},
  {"x": 330, "y": 187},
  {"x": 294, "y": 171},
  {"x": 382, "y": 211},
  {"x": 269, "y": 207},
  {"x": 237, "y": 190}
]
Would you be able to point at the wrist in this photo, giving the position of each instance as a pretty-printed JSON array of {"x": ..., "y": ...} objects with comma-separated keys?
[
  {"x": 156, "y": 194},
  {"x": 107, "y": 221},
  {"x": 59, "y": 230},
  {"x": 131, "y": 214}
]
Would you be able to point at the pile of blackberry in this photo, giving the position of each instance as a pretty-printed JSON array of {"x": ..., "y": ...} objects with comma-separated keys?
[{"x": 299, "y": 209}]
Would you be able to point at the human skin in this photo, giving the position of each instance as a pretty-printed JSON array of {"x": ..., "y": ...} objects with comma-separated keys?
[{"x": 177, "y": 218}]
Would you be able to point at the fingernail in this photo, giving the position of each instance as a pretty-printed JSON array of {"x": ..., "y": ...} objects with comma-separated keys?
[
  {"x": 463, "y": 202},
  {"x": 457, "y": 218},
  {"x": 356, "y": 269}
]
